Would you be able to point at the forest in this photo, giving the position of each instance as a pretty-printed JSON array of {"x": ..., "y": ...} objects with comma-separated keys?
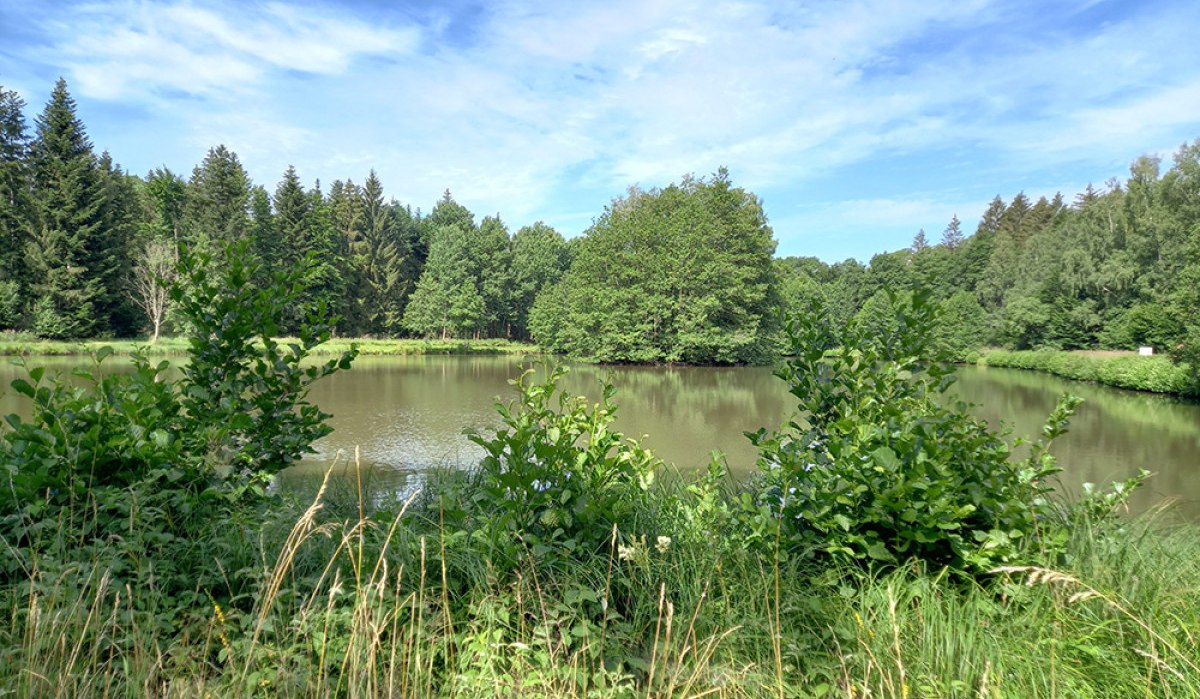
[{"x": 684, "y": 273}]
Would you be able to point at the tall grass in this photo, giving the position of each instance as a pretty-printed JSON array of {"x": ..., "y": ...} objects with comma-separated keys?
[{"x": 358, "y": 602}]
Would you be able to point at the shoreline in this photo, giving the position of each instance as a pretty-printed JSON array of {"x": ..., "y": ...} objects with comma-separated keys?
[
  {"x": 168, "y": 347},
  {"x": 1153, "y": 374}
]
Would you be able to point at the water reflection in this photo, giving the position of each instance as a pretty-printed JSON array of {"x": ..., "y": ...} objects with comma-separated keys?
[{"x": 407, "y": 414}]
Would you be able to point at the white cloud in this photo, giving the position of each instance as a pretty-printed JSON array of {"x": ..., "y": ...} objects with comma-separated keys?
[
  {"x": 543, "y": 110},
  {"x": 137, "y": 50}
]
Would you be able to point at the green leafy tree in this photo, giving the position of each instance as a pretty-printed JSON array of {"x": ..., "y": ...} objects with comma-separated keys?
[
  {"x": 447, "y": 212},
  {"x": 682, "y": 274},
  {"x": 492, "y": 259},
  {"x": 539, "y": 259},
  {"x": 447, "y": 301},
  {"x": 880, "y": 469}
]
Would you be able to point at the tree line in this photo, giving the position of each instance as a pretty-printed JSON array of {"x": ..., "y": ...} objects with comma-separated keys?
[
  {"x": 1117, "y": 268},
  {"x": 684, "y": 273},
  {"x": 88, "y": 249}
]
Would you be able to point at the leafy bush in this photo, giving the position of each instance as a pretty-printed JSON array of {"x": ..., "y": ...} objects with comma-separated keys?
[
  {"x": 555, "y": 477},
  {"x": 878, "y": 469},
  {"x": 133, "y": 469}
]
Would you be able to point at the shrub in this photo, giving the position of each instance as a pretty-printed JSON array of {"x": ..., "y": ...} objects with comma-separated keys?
[
  {"x": 134, "y": 469},
  {"x": 555, "y": 477},
  {"x": 878, "y": 469}
]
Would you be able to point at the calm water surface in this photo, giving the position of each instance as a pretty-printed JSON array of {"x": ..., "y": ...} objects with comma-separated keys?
[{"x": 408, "y": 413}]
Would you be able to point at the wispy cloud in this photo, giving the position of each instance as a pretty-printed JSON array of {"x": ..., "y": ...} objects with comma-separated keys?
[{"x": 546, "y": 110}]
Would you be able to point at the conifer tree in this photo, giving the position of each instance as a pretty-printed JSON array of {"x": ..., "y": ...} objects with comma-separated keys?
[
  {"x": 381, "y": 256},
  {"x": 952, "y": 237},
  {"x": 264, "y": 234},
  {"x": 14, "y": 206},
  {"x": 216, "y": 201},
  {"x": 69, "y": 254},
  {"x": 920, "y": 242}
]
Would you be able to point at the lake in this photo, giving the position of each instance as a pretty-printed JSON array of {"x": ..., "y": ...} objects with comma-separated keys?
[{"x": 408, "y": 413}]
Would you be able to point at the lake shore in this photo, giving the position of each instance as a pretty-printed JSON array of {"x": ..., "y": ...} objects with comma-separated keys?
[
  {"x": 1154, "y": 374},
  {"x": 176, "y": 346}
]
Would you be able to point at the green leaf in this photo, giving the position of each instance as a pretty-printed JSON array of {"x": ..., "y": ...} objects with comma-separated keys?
[
  {"x": 879, "y": 552},
  {"x": 23, "y": 387}
]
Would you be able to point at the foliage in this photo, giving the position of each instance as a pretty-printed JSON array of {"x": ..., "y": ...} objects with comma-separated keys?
[
  {"x": 71, "y": 256},
  {"x": 877, "y": 470},
  {"x": 556, "y": 477},
  {"x": 10, "y": 303},
  {"x": 132, "y": 466},
  {"x": 681, "y": 274},
  {"x": 1157, "y": 374},
  {"x": 243, "y": 389}
]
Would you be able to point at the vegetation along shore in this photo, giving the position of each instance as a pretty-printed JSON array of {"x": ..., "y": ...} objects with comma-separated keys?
[
  {"x": 1156, "y": 374},
  {"x": 892, "y": 547},
  {"x": 886, "y": 543}
]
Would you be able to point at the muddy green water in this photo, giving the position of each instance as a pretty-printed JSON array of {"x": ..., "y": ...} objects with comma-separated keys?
[{"x": 405, "y": 414}]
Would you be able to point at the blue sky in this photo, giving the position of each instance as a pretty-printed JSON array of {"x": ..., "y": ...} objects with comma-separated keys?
[{"x": 857, "y": 122}]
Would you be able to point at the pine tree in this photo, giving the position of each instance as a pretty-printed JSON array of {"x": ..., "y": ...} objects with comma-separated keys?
[
  {"x": 264, "y": 234},
  {"x": 15, "y": 206},
  {"x": 165, "y": 192},
  {"x": 920, "y": 242},
  {"x": 68, "y": 255},
  {"x": 119, "y": 247},
  {"x": 216, "y": 202},
  {"x": 383, "y": 255},
  {"x": 952, "y": 237}
]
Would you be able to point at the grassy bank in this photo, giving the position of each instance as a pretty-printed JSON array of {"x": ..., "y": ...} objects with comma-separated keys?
[
  {"x": 1156, "y": 374},
  {"x": 358, "y": 602},
  {"x": 24, "y": 345}
]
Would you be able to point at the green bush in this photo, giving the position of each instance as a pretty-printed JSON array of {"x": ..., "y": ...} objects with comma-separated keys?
[
  {"x": 878, "y": 469},
  {"x": 556, "y": 478},
  {"x": 134, "y": 470}
]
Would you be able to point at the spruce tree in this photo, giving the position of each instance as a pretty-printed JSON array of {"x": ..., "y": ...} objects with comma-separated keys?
[
  {"x": 381, "y": 256},
  {"x": 14, "y": 206},
  {"x": 920, "y": 242},
  {"x": 216, "y": 202},
  {"x": 69, "y": 255},
  {"x": 952, "y": 237}
]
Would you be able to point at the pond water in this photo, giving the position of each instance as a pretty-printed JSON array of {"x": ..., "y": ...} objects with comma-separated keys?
[{"x": 406, "y": 414}]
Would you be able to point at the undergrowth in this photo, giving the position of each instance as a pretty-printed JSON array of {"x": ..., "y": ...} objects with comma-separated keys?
[{"x": 146, "y": 557}]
